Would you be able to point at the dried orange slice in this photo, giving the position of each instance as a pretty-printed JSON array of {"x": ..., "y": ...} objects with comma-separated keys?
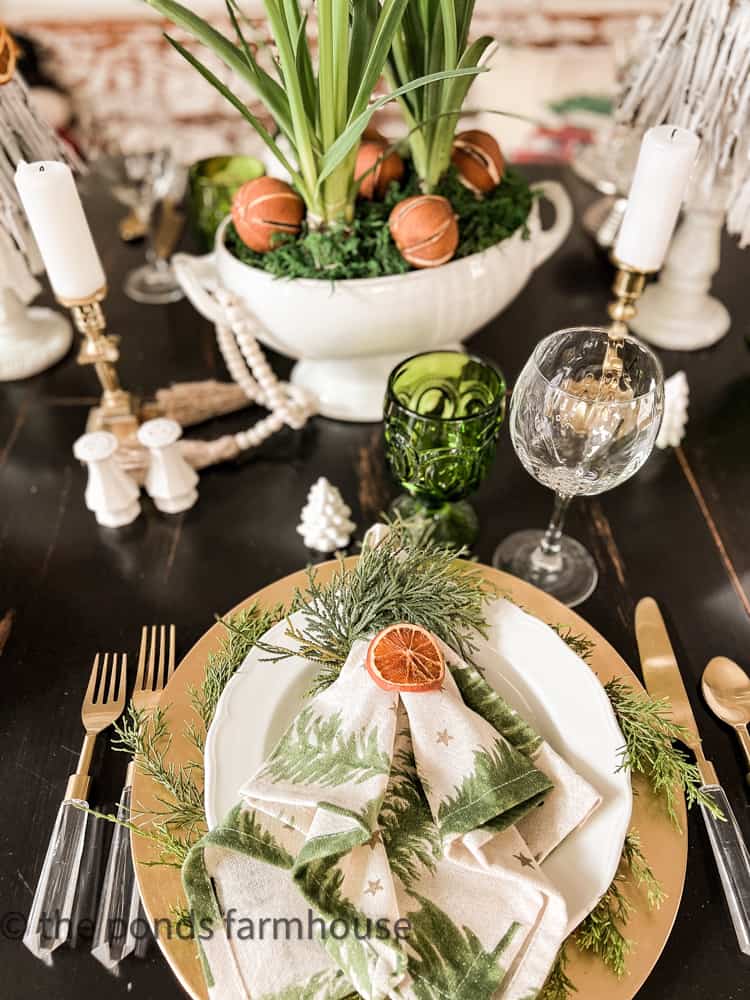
[{"x": 405, "y": 658}]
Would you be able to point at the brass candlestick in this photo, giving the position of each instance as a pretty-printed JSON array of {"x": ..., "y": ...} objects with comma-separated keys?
[
  {"x": 627, "y": 287},
  {"x": 118, "y": 410}
]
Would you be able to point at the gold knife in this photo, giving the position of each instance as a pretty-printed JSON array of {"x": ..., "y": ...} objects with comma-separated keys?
[{"x": 663, "y": 680}]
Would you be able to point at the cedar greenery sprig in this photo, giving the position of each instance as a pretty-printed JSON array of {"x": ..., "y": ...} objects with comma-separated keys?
[
  {"x": 391, "y": 582},
  {"x": 173, "y": 849},
  {"x": 145, "y": 736},
  {"x": 559, "y": 985},
  {"x": 602, "y": 931},
  {"x": 650, "y": 734},
  {"x": 580, "y": 644},
  {"x": 243, "y": 632}
]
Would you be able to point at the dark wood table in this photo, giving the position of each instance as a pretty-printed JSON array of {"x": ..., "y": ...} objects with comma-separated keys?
[{"x": 679, "y": 530}]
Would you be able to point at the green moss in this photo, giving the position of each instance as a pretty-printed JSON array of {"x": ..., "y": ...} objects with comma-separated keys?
[{"x": 365, "y": 249}]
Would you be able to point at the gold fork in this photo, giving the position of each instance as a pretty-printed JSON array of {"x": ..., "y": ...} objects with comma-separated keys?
[
  {"x": 115, "y": 936},
  {"x": 153, "y": 674},
  {"x": 49, "y": 922}
]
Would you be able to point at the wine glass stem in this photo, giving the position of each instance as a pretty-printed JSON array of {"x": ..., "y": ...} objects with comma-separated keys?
[{"x": 546, "y": 556}]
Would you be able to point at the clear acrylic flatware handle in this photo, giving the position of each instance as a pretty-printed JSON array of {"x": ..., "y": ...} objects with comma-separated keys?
[
  {"x": 115, "y": 935},
  {"x": 733, "y": 861},
  {"x": 49, "y": 922}
]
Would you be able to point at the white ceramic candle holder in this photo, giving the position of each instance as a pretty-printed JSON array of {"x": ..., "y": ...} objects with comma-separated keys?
[
  {"x": 32, "y": 339},
  {"x": 677, "y": 312}
]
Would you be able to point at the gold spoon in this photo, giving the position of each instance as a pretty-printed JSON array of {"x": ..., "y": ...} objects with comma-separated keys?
[{"x": 726, "y": 688}]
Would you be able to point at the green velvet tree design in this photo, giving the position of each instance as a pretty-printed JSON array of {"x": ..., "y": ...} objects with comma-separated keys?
[
  {"x": 329, "y": 984},
  {"x": 410, "y": 836},
  {"x": 320, "y": 882},
  {"x": 502, "y": 779},
  {"x": 242, "y": 830},
  {"x": 485, "y": 701},
  {"x": 450, "y": 961},
  {"x": 316, "y": 749}
]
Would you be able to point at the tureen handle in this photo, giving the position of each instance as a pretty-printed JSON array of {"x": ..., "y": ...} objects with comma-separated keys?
[
  {"x": 197, "y": 275},
  {"x": 548, "y": 240}
]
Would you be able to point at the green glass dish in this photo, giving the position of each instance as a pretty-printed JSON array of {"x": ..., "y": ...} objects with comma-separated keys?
[
  {"x": 212, "y": 185},
  {"x": 442, "y": 417}
]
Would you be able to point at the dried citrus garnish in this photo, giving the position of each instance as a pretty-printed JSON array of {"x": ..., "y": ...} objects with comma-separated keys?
[{"x": 405, "y": 658}]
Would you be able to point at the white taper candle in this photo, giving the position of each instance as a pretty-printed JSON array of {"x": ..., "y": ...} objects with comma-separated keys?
[
  {"x": 53, "y": 206},
  {"x": 656, "y": 194}
]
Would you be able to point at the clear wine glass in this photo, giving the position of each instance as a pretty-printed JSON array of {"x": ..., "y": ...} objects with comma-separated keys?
[
  {"x": 579, "y": 434},
  {"x": 162, "y": 185},
  {"x": 149, "y": 182}
]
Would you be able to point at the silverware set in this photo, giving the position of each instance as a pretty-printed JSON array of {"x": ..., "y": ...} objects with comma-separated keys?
[
  {"x": 726, "y": 688},
  {"x": 50, "y": 921}
]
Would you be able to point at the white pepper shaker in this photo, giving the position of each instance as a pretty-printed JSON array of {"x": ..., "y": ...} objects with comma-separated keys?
[
  {"x": 110, "y": 493},
  {"x": 170, "y": 481}
]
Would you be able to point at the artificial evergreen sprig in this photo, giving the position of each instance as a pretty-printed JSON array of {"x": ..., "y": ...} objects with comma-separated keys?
[
  {"x": 243, "y": 632},
  {"x": 580, "y": 644},
  {"x": 391, "y": 582},
  {"x": 650, "y": 734},
  {"x": 640, "y": 870},
  {"x": 172, "y": 847},
  {"x": 145, "y": 736},
  {"x": 559, "y": 985},
  {"x": 602, "y": 931}
]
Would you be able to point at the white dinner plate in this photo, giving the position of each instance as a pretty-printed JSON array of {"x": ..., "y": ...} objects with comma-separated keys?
[{"x": 559, "y": 695}]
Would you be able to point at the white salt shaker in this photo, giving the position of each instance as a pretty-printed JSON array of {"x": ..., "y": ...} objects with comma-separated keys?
[
  {"x": 170, "y": 481},
  {"x": 110, "y": 493}
]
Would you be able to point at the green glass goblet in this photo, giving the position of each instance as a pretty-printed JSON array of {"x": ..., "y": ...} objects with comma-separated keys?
[
  {"x": 443, "y": 413},
  {"x": 212, "y": 185}
]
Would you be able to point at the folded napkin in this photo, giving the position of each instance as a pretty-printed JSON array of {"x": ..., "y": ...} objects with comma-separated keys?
[{"x": 391, "y": 843}]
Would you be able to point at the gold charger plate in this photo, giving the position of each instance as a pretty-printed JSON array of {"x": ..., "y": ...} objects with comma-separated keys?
[{"x": 665, "y": 849}]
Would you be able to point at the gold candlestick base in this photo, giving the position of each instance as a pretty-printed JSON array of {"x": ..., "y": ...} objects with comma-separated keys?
[
  {"x": 118, "y": 411},
  {"x": 627, "y": 287}
]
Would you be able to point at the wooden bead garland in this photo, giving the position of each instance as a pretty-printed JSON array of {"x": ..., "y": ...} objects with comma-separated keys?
[{"x": 248, "y": 367}]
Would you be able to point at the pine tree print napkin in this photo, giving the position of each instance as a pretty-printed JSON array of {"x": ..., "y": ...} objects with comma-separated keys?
[{"x": 392, "y": 845}]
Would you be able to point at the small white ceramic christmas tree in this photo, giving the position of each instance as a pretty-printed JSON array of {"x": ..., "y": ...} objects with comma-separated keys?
[{"x": 325, "y": 525}]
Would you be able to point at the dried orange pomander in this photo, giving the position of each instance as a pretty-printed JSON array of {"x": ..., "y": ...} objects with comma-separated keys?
[
  {"x": 425, "y": 230},
  {"x": 8, "y": 55},
  {"x": 478, "y": 160},
  {"x": 405, "y": 658},
  {"x": 377, "y": 170},
  {"x": 265, "y": 209}
]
